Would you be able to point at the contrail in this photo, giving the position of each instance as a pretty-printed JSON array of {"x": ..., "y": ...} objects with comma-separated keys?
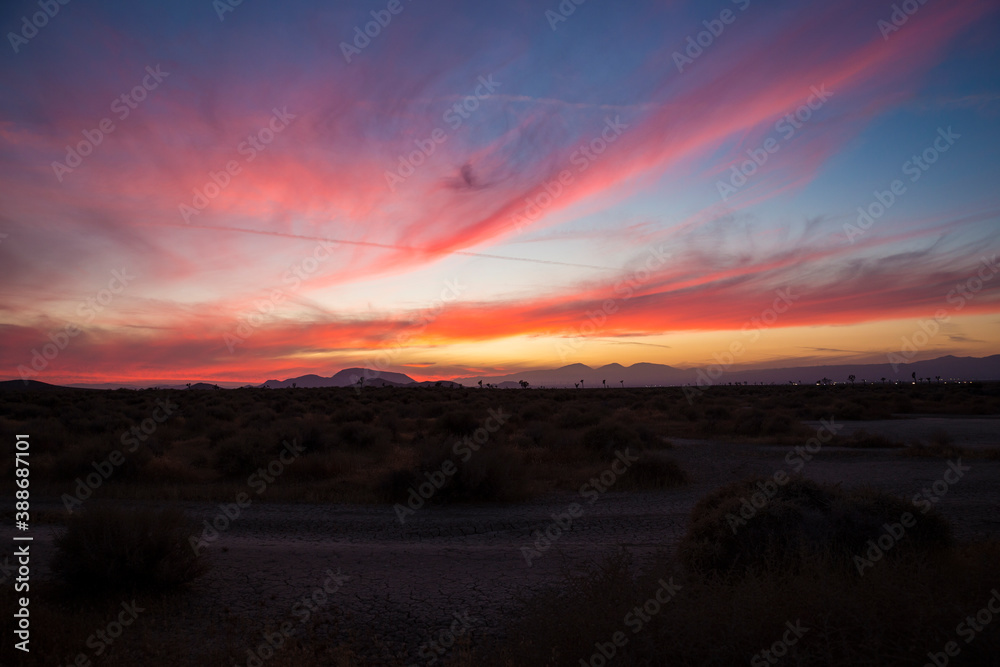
[{"x": 387, "y": 246}]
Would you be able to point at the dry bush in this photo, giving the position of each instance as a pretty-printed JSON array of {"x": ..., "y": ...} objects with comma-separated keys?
[
  {"x": 802, "y": 521},
  {"x": 457, "y": 422},
  {"x": 496, "y": 473},
  {"x": 358, "y": 435},
  {"x": 652, "y": 471},
  {"x": 862, "y": 439},
  {"x": 109, "y": 549},
  {"x": 604, "y": 439},
  {"x": 899, "y": 611}
]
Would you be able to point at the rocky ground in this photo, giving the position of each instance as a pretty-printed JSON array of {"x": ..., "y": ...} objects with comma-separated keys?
[{"x": 407, "y": 582}]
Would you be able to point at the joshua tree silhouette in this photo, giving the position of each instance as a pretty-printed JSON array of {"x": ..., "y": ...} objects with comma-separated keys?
[
  {"x": 576, "y": 384},
  {"x": 851, "y": 378},
  {"x": 583, "y": 385},
  {"x": 480, "y": 384},
  {"x": 605, "y": 383},
  {"x": 523, "y": 383},
  {"x": 914, "y": 376},
  {"x": 623, "y": 383}
]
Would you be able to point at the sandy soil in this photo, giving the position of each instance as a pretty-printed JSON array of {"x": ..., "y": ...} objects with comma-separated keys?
[{"x": 408, "y": 581}]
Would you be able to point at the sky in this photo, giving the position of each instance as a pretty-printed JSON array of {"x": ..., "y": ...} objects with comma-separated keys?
[{"x": 204, "y": 190}]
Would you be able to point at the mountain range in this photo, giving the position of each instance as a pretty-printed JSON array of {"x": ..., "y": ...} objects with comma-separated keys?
[
  {"x": 646, "y": 374},
  {"x": 616, "y": 375}
]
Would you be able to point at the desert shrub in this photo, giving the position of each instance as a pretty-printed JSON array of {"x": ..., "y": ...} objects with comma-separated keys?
[
  {"x": 431, "y": 410},
  {"x": 940, "y": 438},
  {"x": 749, "y": 422},
  {"x": 894, "y": 615},
  {"x": 457, "y": 422},
  {"x": 650, "y": 436},
  {"x": 222, "y": 413},
  {"x": 389, "y": 419},
  {"x": 573, "y": 418},
  {"x": 777, "y": 423},
  {"x": 358, "y": 435},
  {"x": 864, "y": 440},
  {"x": 316, "y": 466},
  {"x": 241, "y": 455},
  {"x": 537, "y": 411},
  {"x": 314, "y": 435},
  {"x": 802, "y": 520},
  {"x": 262, "y": 416},
  {"x": 848, "y": 411},
  {"x": 492, "y": 474},
  {"x": 79, "y": 462},
  {"x": 717, "y": 412},
  {"x": 395, "y": 486},
  {"x": 922, "y": 450},
  {"x": 355, "y": 412},
  {"x": 605, "y": 438},
  {"x": 653, "y": 472},
  {"x": 106, "y": 548}
]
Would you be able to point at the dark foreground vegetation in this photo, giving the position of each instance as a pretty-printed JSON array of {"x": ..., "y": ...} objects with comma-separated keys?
[
  {"x": 816, "y": 575},
  {"x": 786, "y": 595},
  {"x": 372, "y": 445}
]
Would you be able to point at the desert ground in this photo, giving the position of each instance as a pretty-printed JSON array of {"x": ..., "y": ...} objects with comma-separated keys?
[{"x": 455, "y": 579}]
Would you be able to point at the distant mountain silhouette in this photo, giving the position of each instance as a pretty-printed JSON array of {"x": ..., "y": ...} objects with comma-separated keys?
[
  {"x": 615, "y": 375},
  {"x": 27, "y": 385},
  {"x": 646, "y": 374},
  {"x": 345, "y": 378}
]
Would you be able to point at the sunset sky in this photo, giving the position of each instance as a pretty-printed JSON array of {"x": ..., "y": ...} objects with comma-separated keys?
[{"x": 202, "y": 191}]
